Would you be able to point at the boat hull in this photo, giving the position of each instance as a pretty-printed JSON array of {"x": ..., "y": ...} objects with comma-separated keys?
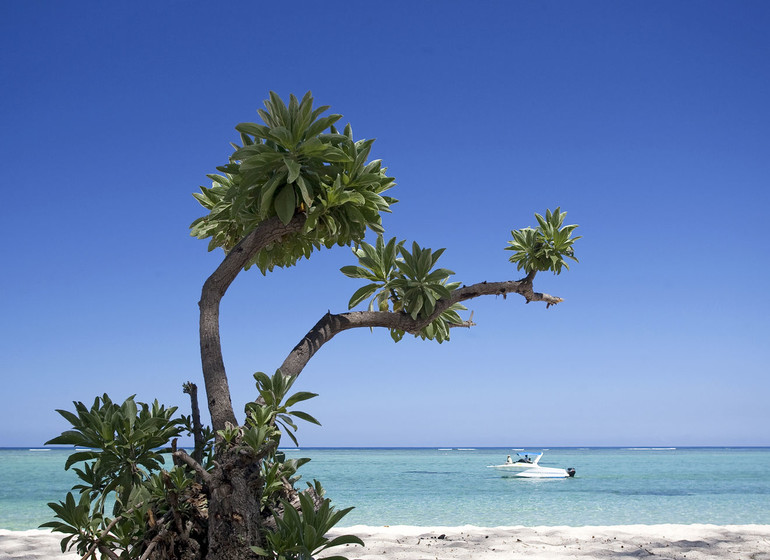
[{"x": 531, "y": 472}]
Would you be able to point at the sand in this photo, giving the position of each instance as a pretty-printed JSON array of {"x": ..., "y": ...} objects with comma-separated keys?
[{"x": 686, "y": 542}]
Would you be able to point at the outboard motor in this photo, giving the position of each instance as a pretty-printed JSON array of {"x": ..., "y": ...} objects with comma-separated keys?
[{"x": 571, "y": 472}]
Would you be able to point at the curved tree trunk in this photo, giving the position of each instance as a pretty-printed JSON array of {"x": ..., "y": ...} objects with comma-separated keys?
[
  {"x": 214, "y": 375},
  {"x": 235, "y": 485}
]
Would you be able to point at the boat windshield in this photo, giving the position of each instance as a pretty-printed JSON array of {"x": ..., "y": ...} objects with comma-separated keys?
[{"x": 527, "y": 457}]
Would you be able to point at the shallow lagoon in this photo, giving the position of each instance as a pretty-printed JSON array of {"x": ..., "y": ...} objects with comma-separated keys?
[{"x": 616, "y": 486}]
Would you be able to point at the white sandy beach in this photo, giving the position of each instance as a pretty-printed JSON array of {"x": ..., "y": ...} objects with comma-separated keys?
[{"x": 690, "y": 542}]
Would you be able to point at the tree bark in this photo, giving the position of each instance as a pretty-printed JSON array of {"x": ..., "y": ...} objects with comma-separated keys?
[
  {"x": 235, "y": 485},
  {"x": 333, "y": 324},
  {"x": 234, "y": 516},
  {"x": 214, "y": 374},
  {"x": 192, "y": 390}
]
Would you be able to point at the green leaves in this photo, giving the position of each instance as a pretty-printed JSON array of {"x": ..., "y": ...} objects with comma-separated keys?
[
  {"x": 406, "y": 281},
  {"x": 285, "y": 203},
  {"x": 275, "y": 473},
  {"x": 361, "y": 294},
  {"x": 294, "y": 169},
  {"x": 289, "y": 165},
  {"x": 123, "y": 465},
  {"x": 273, "y": 413},
  {"x": 546, "y": 247},
  {"x": 119, "y": 435},
  {"x": 378, "y": 264},
  {"x": 75, "y": 521},
  {"x": 124, "y": 452},
  {"x": 420, "y": 286},
  {"x": 300, "y": 534}
]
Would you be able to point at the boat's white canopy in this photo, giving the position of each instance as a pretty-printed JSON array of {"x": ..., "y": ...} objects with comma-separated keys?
[{"x": 530, "y": 457}]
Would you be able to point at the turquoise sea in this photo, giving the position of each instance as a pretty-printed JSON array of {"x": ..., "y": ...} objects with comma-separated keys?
[{"x": 617, "y": 486}]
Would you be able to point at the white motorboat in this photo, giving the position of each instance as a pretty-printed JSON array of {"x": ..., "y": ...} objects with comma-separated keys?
[{"x": 528, "y": 466}]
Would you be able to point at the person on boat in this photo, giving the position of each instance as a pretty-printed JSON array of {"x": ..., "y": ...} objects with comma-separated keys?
[{"x": 508, "y": 461}]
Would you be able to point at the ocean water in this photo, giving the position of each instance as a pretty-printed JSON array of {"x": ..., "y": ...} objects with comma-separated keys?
[{"x": 454, "y": 486}]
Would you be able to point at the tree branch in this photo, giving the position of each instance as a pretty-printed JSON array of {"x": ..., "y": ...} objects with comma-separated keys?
[
  {"x": 192, "y": 390},
  {"x": 153, "y": 543},
  {"x": 107, "y": 552},
  {"x": 194, "y": 465},
  {"x": 330, "y": 325},
  {"x": 214, "y": 374}
]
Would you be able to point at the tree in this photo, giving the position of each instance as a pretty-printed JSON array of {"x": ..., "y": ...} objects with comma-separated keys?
[{"x": 294, "y": 185}]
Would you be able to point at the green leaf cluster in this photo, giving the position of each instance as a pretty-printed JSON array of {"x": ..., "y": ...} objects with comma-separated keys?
[
  {"x": 270, "y": 417},
  {"x": 124, "y": 454},
  {"x": 119, "y": 462},
  {"x": 405, "y": 281},
  {"x": 124, "y": 441},
  {"x": 296, "y": 162},
  {"x": 300, "y": 534},
  {"x": 276, "y": 474},
  {"x": 545, "y": 247},
  {"x": 75, "y": 520}
]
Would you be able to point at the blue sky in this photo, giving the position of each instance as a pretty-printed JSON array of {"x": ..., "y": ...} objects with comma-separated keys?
[{"x": 648, "y": 122}]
